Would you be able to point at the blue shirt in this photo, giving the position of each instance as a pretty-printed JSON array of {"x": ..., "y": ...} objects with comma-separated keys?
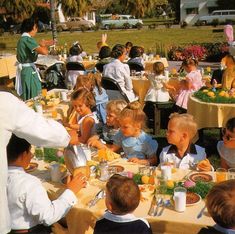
[{"x": 141, "y": 147}]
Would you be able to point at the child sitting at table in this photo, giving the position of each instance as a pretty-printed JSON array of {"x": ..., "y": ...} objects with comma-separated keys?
[
  {"x": 220, "y": 204},
  {"x": 180, "y": 132},
  {"x": 138, "y": 146},
  {"x": 226, "y": 148},
  {"x": 82, "y": 101},
  {"x": 122, "y": 198},
  {"x": 193, "y": 82},
  {"x": 109, "y": 130},
  {"x": 28, "y": 202}
]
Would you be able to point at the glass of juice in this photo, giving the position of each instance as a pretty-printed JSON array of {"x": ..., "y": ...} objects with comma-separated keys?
[{"x": 221, "y": 174}]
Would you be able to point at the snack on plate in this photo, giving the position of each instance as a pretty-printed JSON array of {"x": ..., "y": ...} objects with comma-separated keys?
[
  {"x": 107, "y": 155},
  {"x": 204, "y": 165},
  {"x": 84, "y": 170}
]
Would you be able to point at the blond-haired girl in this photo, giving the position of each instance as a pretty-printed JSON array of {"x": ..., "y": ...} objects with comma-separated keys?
[
  {"x": 138, "y": 146},
  {"x": 113, "y": 109},
  {"x": 180, "y": 132}
]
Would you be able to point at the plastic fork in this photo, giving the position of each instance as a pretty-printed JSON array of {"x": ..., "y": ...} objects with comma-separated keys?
[{"x": 98, "y": 196}]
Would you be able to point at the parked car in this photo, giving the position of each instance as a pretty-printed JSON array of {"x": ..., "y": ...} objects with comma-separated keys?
[
  {"x": 221, "y": 16},
  {"x": 74, "y": 23},
  {"x": 120, "y": 21}
]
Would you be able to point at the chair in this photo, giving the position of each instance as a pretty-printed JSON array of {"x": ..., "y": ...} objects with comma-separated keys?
[
  {"x": 113, "y": 89},
  {"x": 75, "y": 66},
  {"x": 74, "y": 69},
  {"x": 136, "y": 67}
]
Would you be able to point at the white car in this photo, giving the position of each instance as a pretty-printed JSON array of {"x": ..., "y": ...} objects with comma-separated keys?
[
  {"x": 222, "y": 16},
  {"x": 120, "y": 21}
]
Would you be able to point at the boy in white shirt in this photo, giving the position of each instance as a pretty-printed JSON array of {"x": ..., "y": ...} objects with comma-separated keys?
[
  {"x": 30, "y": 208},
  {"x": 182, "y": 152}
]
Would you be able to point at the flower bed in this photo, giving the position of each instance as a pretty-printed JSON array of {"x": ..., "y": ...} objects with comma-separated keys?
[{"x": 215, "y": 96}]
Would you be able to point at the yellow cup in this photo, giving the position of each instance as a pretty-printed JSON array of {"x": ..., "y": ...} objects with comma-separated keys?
[
  {"x": 221, "y": 175},
  {"x": 54, "y": 114},
  {"x": 44, "y": 92}
]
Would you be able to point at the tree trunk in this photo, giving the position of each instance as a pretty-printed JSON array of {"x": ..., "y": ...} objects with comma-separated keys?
[{"x": 53, "y": 22}]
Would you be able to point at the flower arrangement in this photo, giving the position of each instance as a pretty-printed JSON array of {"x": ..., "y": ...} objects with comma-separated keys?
[{"x": 216, "y": 96}]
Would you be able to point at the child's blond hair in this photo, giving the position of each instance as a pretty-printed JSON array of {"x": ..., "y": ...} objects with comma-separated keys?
[
  {"x": 158, "y": 68},
  {"x": 116, "y": 106},
  {"x": 186, "y": 123},
  {"x": 135, "y": 112}
]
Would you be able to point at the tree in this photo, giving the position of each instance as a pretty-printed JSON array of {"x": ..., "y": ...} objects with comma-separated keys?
[
  {"x": 20, "y": 9},
  {"x": 225, "y": 5}
]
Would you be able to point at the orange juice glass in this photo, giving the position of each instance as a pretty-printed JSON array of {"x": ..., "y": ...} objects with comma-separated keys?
[
  {"x": 221, "y": 175},
  {"x": 54, "y": 114},
  {"x": 44, "y": 92}
]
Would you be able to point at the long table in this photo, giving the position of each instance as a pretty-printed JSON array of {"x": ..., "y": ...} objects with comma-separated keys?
[{"x": 81, "y": 219}]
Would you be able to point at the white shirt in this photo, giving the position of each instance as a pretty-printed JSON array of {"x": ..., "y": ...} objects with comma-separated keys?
[
  {"x": 194, "y": 154},
  {"x": 121, "y": 73},
  {"x": 16, "y": 117},
  {"x": 29, "y": 204},
  {"x": 227, "y": 154}
]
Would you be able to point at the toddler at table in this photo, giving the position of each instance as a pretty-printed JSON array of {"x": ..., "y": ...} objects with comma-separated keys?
[
  {"x": 84, "y": 126},
  {"x": 138, "y": 146},
  {"x": 109, "y": 130},
  {"x": 226, "y": 148},
  {"x": 221, "y": 207},
  {"x": 180, "y": 132},
  {"x": 28, "y": 202},
  {"x": 122, "y": 198},
  {"x": 193, "y": 82}
]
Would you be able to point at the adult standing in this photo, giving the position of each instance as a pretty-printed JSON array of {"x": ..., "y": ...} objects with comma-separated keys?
[
  {"x": 119, "y": 71},
  {"x": 16, "y": 117},
  {"x": 28, "y": 83}
]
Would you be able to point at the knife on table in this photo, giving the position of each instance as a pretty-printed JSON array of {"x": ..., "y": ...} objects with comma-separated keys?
[{"x": 201, "y": 212}]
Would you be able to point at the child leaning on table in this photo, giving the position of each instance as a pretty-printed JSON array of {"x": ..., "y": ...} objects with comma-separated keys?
[
  {"x": 138, "y": 146},
  {"x": 122, "y": 198},
  {"x": 180, "y": 132},
  {"x": 28, "y": 202},
  {"x": 113, "y": 109},
  {"x": 220, "y": 203}
]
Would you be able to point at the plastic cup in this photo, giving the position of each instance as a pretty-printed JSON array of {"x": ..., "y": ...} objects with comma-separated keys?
[
  {"x": 180, "y": 199},
  {"x": 166, "y": 172},
  {"x": 221, "y": 174},
  {"x": 55, "y": 172},
  {"x": 63, "y": 96},
  {"x": 231, "y": 173},
  {"x": 39, "y": 109},
  {"x": 54, "y": 114}
]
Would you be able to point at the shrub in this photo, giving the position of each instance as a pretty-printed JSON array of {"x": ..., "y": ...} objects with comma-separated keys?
[
  {"x": 196, "y": 51},
  {"x": 138, "y": 26}
]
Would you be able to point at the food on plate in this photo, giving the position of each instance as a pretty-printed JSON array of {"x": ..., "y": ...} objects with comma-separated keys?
[
  {"x": 31, "y": 167},
  {"x": 117, "y": 168},
  {"x": 204, "y": 165},
  {"x": 84, "y": 170},
  {"x": 201, "y": 177},
  {"x": 107, "y": 155},
  {"x": 192, "y": 198}
]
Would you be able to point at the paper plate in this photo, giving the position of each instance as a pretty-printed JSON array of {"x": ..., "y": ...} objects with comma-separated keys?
[
  {"x": 192, "y": 198},
  {"x": 117, "y": 168},
  {"x": 31, "y": 167},
  {"x": 201, "y": 177}
]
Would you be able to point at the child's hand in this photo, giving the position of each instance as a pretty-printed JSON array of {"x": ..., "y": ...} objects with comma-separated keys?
[
  {"x": 76, "y": 183},
  {"x": 134, "y": 160},
  {"x": 95, "y": 142},
  {"x": 139, "y": 161}
]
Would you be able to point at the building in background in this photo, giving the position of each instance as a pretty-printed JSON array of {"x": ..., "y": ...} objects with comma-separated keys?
[{"x": 191, "y": 10}]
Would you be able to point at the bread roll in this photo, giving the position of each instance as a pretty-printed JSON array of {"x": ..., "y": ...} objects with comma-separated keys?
[{"x": 204, "y": 165}]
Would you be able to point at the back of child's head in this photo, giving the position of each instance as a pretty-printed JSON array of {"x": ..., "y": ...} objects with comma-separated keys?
[
  {"x": 16, "y": 147},
  {"x": 135, "y": 52},
  {"x": 117, "y": 51},
  {"x": 105, "y": 52},
  {"x": 84, "y": 81},
  {"x": 220, "y": 203},
  {"x": 185, "y": 122},
  {"x": 134, "y": 111},
  {"x": 124, "y": 194},
  {"x": 189, "y": 62},
  {"x": 129, "y": 44},
  {"x": 76, "y": 49},
  {"x": 116, "y": 106},
  {"x": 85, "y": 95},
  {"x": 230, "y": 125},
  {"x": 158, "y": 68}
]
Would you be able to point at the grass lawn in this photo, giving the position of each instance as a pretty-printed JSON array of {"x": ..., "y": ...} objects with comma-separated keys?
[{"x": 150, "y": 39}]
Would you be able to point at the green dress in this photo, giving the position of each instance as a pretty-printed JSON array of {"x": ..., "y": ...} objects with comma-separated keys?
[{"x": 26, "y": 54}]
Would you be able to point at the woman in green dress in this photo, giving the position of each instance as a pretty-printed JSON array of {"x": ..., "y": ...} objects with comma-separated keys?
[{"x": 28, "y": 82}]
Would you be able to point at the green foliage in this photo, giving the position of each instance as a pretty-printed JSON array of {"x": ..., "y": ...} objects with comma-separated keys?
[
  {"x": 50, "y": 156},
  {"x": 137, "y": 178},
  {"x": 202, "y": 188},
  {"x": 203, "y": 96}
]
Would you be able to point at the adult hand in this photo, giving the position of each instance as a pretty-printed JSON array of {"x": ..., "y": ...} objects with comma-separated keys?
[
  {"x": 104, "y": 38},
  {"x": 74, "y": 137},
  {"x": 76, "y": 183}
]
